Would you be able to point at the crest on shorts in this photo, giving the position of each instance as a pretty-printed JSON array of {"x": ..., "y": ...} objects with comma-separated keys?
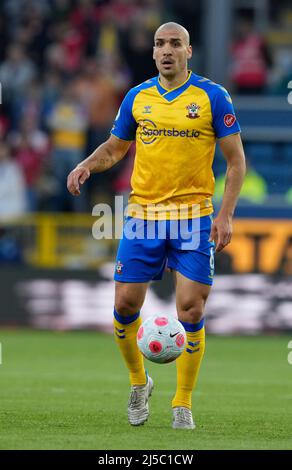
[
  {"x": 119, "y": 267},
  {"x": 193, "y": 111}
]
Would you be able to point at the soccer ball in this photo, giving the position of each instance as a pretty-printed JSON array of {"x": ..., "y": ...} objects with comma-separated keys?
[{"x": 161, "y": 339}]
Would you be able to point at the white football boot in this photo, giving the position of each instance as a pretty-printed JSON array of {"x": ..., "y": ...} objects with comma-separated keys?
[
  {"x": 182, "y": 418},
  {"x": 138, "y": 408}
]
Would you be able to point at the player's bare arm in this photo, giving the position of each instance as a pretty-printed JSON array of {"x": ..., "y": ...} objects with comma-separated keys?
[
  {"x": 232, "y": 149},
  {"x": 104, "y": 157}
]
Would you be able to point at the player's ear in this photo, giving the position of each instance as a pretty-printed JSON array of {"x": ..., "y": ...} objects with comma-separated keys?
[
  {"x": 190, "y": 52},
  {"x": 153, "y": 55}
]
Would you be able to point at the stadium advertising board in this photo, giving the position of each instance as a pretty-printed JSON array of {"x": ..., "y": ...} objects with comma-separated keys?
[
  {"x": 252, "y": 292},
  {"x": 259, "y": 246},
  {"x": 238, "y": 303}
]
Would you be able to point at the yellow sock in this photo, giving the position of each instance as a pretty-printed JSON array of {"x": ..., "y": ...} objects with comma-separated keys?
[
  {"x": 126, "y": 329},
  {"x": 188, "y": 364}
]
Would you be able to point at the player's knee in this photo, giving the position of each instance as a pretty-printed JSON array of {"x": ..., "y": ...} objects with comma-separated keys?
[
  {"x": 191, "y": 313},
  {"x": 126, "y": 306}
]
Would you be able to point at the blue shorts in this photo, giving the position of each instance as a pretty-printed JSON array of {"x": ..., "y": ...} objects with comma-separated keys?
[{"x": 147, "y": 247}]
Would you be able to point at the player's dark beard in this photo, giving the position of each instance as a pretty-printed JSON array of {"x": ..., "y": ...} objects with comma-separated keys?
[{"x": 169, "y": 74}]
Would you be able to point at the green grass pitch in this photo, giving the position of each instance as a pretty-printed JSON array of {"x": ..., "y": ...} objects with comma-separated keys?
[{"x": 70, "y": 391}]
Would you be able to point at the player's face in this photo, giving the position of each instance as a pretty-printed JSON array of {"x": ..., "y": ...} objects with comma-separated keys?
[{"x": 171, "y": 52}]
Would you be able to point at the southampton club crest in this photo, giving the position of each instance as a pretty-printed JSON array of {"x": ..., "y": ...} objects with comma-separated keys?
[
  {"x": 193, "y": 110},
  {"x": 119, "y": 267}
]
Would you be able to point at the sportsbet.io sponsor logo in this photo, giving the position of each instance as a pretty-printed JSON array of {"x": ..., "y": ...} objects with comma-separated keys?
[{"x": 149, "y": 132}]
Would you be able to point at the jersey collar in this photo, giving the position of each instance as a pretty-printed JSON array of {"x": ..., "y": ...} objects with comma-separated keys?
[{"x": 170, "y": 95}]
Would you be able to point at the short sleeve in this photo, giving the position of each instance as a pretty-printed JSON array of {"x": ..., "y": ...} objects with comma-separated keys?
[
  {"x": 125, "y": 126},
  {"x": 224, "y": 119}
]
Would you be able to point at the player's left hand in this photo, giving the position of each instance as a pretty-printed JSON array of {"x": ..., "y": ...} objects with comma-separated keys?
[{"x": 221, "y": 232}]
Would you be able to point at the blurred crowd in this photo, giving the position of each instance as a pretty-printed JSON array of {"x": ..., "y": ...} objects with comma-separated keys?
[
  {"x": 65, "y": 66},
  {"x": 261, "y": 61}
]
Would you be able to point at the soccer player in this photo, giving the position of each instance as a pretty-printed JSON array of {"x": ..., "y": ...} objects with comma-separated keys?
[{"x": 175, "y": 119}]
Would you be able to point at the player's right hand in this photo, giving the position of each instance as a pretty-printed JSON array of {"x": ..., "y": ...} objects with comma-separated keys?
[{"x": 77, "y": 177}]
